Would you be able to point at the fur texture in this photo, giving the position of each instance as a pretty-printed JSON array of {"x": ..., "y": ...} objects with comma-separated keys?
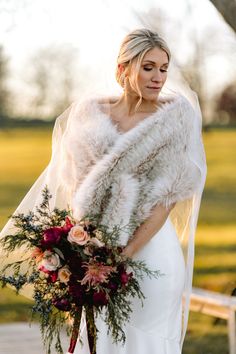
[{"x": 124, "y": 175}]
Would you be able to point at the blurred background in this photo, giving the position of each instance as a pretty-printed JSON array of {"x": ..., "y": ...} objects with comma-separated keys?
[{"x": 52, "y": 51}]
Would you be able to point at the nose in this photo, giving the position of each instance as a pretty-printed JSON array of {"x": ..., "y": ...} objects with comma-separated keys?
[{"x": 157, "y": 77}]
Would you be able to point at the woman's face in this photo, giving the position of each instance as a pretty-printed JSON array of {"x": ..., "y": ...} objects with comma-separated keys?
[{"x": 153, "y": 73}]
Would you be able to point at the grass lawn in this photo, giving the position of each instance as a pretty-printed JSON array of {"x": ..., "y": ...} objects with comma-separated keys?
[
  {"x": 219, "y": 198},
  {"x": 24, "y": 155}
]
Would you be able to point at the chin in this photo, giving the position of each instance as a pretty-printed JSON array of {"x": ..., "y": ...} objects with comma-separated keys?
[{"x": 151, "y": 97}]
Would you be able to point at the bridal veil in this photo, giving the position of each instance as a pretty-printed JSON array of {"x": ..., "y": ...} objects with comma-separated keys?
[{"x": 184, "y": 215}]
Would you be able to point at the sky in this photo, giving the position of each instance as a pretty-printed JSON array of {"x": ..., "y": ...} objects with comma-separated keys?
[
  {"x": 29, "y": 24},
  {"x": 93, "y": 29}
]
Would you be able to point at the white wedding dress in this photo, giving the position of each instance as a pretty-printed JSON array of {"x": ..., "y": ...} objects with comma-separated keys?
[{"x": 154, "y": 328}]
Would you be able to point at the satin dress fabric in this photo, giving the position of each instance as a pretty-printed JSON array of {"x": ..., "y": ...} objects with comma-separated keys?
[{"x": 154, "y": 328}]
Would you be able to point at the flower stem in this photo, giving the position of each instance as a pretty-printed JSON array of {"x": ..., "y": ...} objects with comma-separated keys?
[
  {"x": 91, "y": 329},
  {"x": 75, "y": 330}
]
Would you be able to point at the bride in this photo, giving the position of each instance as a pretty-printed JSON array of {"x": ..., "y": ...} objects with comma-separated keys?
[
  {"x": 137, "y": 157},
  {"x": 159, "y": 326}
]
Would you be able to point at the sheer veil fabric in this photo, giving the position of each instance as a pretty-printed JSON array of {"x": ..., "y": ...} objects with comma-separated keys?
[{"x": 184, "y": 216}]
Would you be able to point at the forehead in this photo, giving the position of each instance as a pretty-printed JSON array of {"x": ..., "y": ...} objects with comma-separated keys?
[{"x": 156, "y": 55}]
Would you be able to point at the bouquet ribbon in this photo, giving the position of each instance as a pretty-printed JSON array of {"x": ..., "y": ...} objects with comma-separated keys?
[{"x": 91, "y": 330}]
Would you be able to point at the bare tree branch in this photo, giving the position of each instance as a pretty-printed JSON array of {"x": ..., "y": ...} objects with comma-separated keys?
[{"x": 227, "y": 8}]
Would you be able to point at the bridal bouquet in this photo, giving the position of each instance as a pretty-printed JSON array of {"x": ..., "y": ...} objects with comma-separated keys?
[{"x": 73, "y": 266}]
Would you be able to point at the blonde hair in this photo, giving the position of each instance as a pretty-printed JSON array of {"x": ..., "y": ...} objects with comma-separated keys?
[{"x": 132, "y": 50}]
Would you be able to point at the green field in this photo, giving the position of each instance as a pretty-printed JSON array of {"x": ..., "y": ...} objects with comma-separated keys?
[{"x": 24, "y": 155}]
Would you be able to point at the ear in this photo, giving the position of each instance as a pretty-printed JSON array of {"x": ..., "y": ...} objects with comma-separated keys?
[{"x": 121, "y": 68}]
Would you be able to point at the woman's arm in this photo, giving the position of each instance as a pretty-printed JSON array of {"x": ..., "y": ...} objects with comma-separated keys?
[{"x": 147, "y": 230}]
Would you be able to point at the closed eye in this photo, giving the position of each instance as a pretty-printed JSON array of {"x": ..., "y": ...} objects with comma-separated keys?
[{"x": 149, "y": 69}]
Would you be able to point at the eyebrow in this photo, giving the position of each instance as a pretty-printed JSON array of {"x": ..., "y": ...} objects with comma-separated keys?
[{"x": 153, "y": 62}]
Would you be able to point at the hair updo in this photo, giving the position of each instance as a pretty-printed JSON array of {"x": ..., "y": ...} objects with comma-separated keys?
[{"x": 132, "y": 50}]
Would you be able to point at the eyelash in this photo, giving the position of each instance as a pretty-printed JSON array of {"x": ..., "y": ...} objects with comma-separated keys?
[{"x": 148, "y": 69}]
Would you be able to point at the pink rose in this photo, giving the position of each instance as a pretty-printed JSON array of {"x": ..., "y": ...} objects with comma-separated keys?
[
  {"x": 64, "y": 275},
  {"x": 78, "y": 235},
  {"x": 50, "y": 261}
]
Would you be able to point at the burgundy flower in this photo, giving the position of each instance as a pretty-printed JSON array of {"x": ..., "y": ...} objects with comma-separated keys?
[
  {"x": 121, "y": 268},
  {"x": 68, "y": 225},
  {"x": 113, "y": 286},
  {"x": 52, "y": 236},
  {"x": 77, "y": 291},
  {"x": 53, "y": 276},
  {"x": 125, "y": 277},
  {"x": 75, "y": 265},
  {"x": 100, "y": 298},
  {"x": 62, "y": 304}
]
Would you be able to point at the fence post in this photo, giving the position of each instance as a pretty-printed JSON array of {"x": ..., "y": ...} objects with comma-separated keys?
[{"x": 232, "y": 332}]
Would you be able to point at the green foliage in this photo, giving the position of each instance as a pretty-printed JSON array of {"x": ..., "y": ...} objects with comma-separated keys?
[{"x": 29, "y": 229}]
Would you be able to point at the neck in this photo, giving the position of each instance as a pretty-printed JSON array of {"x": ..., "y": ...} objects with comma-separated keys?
[{"x": 128, "y": 101}]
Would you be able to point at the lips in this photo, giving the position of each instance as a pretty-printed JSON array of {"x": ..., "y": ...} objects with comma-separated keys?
[{"x": 153, "y": 87}]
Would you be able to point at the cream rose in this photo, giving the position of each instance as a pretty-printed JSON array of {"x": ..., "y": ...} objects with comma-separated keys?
[
  {"x": 51, "y": 261},
  {"x": 64, "y": 274},
  {"x": 78, "y": 235}
]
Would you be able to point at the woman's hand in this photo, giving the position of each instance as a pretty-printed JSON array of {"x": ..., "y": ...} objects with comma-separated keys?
[{"x": 128, "y": 251}]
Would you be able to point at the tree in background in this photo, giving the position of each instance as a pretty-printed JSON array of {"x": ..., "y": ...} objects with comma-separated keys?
[
  {"x": 226, "y": 105},
  {"x": 4, "y": 93},
  {"x": 52, "y": 79}
]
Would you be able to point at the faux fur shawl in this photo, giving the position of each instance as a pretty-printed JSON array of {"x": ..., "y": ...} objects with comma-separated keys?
[{"x": 124, "y": 175}]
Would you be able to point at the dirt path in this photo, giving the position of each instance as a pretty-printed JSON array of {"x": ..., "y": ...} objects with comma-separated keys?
[{"x": 20, "y": 338}]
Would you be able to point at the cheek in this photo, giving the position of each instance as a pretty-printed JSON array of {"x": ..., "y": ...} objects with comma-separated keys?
[
  {"x": 164, "y": 77},
  {"x": 143, "y": 77}
]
